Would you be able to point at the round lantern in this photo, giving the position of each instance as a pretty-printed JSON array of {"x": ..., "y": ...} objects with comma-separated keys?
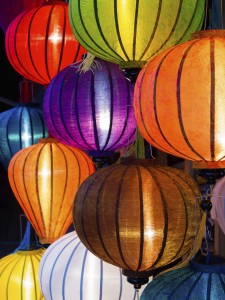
[
  {"x": 92, "y": 110},
  {"x": 178, "y": 101},
  {"x": 69, "y": 271},
  {"x": 20, "y": 127},
  {"x": 130, "y": 32},
  {"x": 19, "y": 275},
  {"x": 136, "y": 215},
  {"x": 39, "y": 42},
  {"x": 199, "y": 281},
  {"x": 44, "y": 179}
]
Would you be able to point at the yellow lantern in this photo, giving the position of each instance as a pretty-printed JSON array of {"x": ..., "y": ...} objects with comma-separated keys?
[
  {"x": 129, "y": 32},
  {"x": 45, "y": 178},
  {"x": 19, "y": 275}
]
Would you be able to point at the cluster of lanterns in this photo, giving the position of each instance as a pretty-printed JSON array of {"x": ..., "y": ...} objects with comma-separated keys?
[{"x": 134, "y": 215}]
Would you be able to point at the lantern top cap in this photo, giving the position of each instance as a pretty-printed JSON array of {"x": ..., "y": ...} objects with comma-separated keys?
[
  {"x": 208, "y": 33},
  {"x": 30, "y": 252},
  {"x": 47, "y": 140},
  {"x": 215, "y": 265}
]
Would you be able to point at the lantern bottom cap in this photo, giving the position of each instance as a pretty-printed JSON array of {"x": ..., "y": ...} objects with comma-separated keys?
[
  {"x": 47, "y": 241},
  {"x": 209, "y": 164},
  {"x": 132, "y": 64}
]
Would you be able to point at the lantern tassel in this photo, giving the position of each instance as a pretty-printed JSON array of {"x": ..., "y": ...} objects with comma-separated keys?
[{"x": 89, "y": 63}]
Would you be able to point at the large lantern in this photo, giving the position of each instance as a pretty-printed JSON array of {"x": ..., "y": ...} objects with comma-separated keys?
[
  {"x": 19, "y": 275},
  {"x": 39, "y": 42},
  {"x": 93, "y": 110},
  {"x": 129, "y": 32},
  {"x": 136, "y": 215},
  {"x": 198, "y": 281},
  {"x": 179, "y": 100},
  {"x": 44, "y": 179},
  {"x": 69, "y": 271},
  {"x": 20, "y": 127}
]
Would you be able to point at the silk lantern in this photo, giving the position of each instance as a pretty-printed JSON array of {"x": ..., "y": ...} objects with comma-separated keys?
[
  {"x": 198, "y": 281},
  {"x": 69, "y": 271},
  {"x": 136, "y": 215},
  {"x": 129, "y": 32},
  {"x": 19, "y": 275},
  {"x": 44, "y": 179},
  {"x": 93, "y": 110},
  {"x": 20, "y": 127},
  {"x": 178, "y": 101},
  {"x": 39, "y": 42}
]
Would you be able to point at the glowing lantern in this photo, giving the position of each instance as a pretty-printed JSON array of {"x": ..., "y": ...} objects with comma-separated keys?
[
  {"x": 199, "y": 281},
  {"x": 69, "y": 271},
  {"x": 136, "y": 215},
  {"x": 19, "y": 275},
  {"x": 179, "y": 100},
  {"x": 39, "y": 43},
  {"x": 44, "y": 179},
  {"x": 129, "y": 32},
  {"x": 92, "y": 110},
  {"x": 20, "y": 127}
]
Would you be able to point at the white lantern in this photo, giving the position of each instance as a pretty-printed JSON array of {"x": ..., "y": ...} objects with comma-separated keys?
[{"x": 69, "y": 271}]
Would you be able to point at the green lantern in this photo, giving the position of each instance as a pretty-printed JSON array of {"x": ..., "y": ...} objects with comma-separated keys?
[{"x": 129, "y": 32}]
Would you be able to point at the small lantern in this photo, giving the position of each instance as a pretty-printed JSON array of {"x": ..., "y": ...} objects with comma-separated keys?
[
  {"x": 69, "y": 271},
  {"x": 39, "y": 42},
  {"x": 129, "y": 32},
  {"x": 136, "y": 215},
  {"x": 19, "y": 275},
  {"x": 93, "y": 110},
  {"x": 44, "y": 179},
  {"x": 179, "y": 100}
]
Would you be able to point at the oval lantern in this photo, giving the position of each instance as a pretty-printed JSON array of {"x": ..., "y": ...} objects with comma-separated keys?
[
  {"x": 129, "y": 32},
  {"x": 39, "y": 42},
  {"x": 136, "y": 215},
  {"x": 69, "y": 271},
  {"x": 19, "y": 275},
  {"x": 93, "y": 110},
  {"x": 20, "y": 127},
  {"x": 179, "y": 100},
  {"x": 44, "y": 179},
  {"x": 198, "y": 281}
]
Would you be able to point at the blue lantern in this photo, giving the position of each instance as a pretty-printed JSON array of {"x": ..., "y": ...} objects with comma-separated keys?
[{"x": 20, "y": 127}]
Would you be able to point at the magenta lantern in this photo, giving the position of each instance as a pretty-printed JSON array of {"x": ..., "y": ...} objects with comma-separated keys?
[{"x": 91, "y": 111}]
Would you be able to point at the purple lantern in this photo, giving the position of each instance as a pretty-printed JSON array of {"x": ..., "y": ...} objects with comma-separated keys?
[{"x": 91, "y": 111}]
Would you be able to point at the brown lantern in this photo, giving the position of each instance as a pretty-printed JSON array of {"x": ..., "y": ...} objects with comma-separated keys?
[{"x": 136, "y": 215}]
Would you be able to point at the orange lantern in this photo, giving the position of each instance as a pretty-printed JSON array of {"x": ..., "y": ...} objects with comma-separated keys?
[
  {"x": 39, "y": 42},
  {"x": 45, "y": 178},
  {"x": 179, "y": 100}
]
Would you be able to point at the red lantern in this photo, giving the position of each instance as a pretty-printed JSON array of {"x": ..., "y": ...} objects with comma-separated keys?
[{"x": 39, "y": 42}]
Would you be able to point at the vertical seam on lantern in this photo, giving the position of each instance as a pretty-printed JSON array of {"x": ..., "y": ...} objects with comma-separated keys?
[
  {"x": 92, "y": 98},
  {"x": 51, "y": 191},
  {"x": 30, "y": 52},
  {"x": 141, "y": 217},
  {"x": 46, "y": 41},
  {"x": 122, "y": 175},
  {"x": 135, "y": 28},
  {"x": 212, "y": 98},
  {"x": 34, "y": 275},
  {"x": 118, "y": 29},
  {"x": 31, "y": 111},
  {"x": 41, "y": 119},
  {"x": 209, "y": 284},
  {"x": 66, "y": 183},
  {"x": 193, "y": 286},
  {"x": 109, "y": 77},
  {"x": 106, "y": 55},
  {"x": 82, "y": 274},
  {"x": 7, "y": 287},
  {"x": 22, "y": 275},
  {"x": 65, "y": 8},
  {"x": 18, "y": 194},
  {"x": 4, "y": 155},
  {"x": 20, "y": 125},
  {"x": 165, "y": 213},
  {"x": 222, "y": 282},
  {"x": 79, "y": 78},
  {"x": 11, "y": 117},
  {"x": 153, "y": 31},
  {"x": 9, "y": 262}
]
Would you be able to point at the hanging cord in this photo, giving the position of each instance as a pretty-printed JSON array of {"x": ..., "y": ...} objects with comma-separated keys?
[{"x": 137, "y": 294}]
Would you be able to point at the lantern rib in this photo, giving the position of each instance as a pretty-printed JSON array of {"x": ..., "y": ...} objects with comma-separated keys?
[
  {"x": 65, "y": 8},
  {"x": 140, "y": 184},
  {"x": 31, "y": 126},
  {"x": 153, "y": 31},
  {"x": 82, "y": 274},
  {"x": 22, "y": 277},
  {"x": 10, "y": 274},
  {"x": 209, "y": 286},
  {"x": 212, "y": 99},
  {"x": 88, "y": 34},
  {"x": 165, "y": 212},
  {"x": 40, "y": 77},
  {"x": 92, "y": 90},
  {"x": 135, "y": 28},
  {"x": 191, "y": 288},
  {"x": 51, "y": 190},
  {"x": 8, "y": 264},
  {"x": 44, "y": 131},
  {"x": 7, "y": 133},
  {"x": 34, "y": 281},
  {"x": 19, "y": 129},
  {"x": 222, "y": 282},
  {"x": 118, "y": 30}
]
